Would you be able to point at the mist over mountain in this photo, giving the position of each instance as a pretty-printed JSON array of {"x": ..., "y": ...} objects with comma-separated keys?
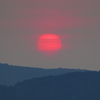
[
  {"x": 10, "y": 75},
  {"x": 69, "y": 86}
]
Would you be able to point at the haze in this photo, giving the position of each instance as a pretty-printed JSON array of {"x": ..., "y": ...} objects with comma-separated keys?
[{"x": 76, "y": 22}]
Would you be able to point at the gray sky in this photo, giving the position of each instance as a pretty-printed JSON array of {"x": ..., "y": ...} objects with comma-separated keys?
[{"x": 76, "y": 22}]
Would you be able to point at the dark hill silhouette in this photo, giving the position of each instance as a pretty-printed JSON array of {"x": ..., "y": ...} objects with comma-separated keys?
[
  {"x": 10, "y": 75},
  {"x": 70, "y": 86}
]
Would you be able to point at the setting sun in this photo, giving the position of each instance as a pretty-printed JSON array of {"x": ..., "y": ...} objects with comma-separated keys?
[{"x": 49, "y": 43}]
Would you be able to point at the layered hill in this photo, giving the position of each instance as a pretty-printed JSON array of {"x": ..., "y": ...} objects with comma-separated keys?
[
  {"x": 69, "y": 86},
  {"x": 10, "y": 75}
]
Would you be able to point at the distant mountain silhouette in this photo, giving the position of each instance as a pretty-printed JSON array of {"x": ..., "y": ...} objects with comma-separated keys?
[
  {"x": 69, "y": 86},
  {"x": 9, "y": 75}
]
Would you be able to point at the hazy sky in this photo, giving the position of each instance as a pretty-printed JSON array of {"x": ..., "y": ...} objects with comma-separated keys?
[{"x": 76, "y": 22}]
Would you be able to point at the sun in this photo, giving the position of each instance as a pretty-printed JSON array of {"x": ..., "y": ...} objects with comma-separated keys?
[{"x": 49, "y": 43}]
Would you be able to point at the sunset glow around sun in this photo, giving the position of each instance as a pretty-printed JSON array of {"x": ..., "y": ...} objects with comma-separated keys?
[{"x": 49, "y": 44}]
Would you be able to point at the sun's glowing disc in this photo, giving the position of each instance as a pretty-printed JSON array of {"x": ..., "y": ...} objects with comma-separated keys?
[{"x": 49, "y": 44}]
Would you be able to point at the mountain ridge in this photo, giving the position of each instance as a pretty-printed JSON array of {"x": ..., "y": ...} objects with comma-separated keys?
[
  {"x": 10, "y": 75},
  {"x": 69, "y": 86}
]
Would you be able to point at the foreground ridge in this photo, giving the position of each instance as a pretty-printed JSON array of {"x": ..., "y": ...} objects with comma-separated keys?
[{"x": 70, "y": 86}]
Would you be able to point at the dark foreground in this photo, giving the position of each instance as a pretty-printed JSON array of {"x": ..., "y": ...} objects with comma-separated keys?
[{"x": 70, "y": 86}]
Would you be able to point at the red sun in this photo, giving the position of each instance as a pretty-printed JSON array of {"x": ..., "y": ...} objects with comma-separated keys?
[{"x": 49, "y": 44}]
